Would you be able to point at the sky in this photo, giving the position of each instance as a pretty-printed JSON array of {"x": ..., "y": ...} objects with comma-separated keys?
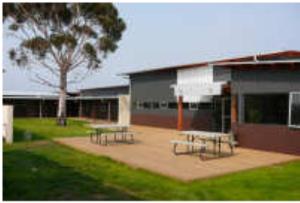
[{"x": 159, "y": 35}]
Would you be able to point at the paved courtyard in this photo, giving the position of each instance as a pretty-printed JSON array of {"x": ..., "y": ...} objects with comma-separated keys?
[{"x": 152, "y": 151}]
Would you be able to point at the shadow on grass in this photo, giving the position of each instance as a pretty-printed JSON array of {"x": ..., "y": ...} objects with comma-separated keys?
[
  {"x": 28, "y": 176},
  {"x": 24, "y": 135}
]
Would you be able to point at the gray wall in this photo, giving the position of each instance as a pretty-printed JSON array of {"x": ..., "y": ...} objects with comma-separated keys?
[
  {"x": 221, "y": 74},
  {"x": 262, "y": 81},
  {"x": 265, "y": 81},
  {"x": 153, "y": 86}
]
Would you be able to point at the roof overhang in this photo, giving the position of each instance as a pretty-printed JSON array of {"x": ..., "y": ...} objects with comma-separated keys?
[{"x": 257, "y": 63}]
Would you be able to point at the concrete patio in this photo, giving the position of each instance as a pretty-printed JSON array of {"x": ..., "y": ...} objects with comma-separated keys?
[{"x": 152, "y": 151}]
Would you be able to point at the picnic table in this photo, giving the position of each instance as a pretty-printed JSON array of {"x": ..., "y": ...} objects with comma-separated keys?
[
  {"x": 216, "y": 138},
  {"x": 116, "y": 129}
]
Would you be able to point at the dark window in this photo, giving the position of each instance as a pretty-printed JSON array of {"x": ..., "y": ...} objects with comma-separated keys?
[
  {"x": 266, "y": 109},
  {"x": 205, "y": 105},
  {"x": 138, "y": 105},
  {"x": 147, "y": 105},
  {"x": 172, "y": 105},
  {"x": 163, "y": 105},
  {"x": 185, "y": 105},
  {"x": 155, "y": 105},
  {"x": 295, "y": 109},
  {"x": 194, "y": 106}
]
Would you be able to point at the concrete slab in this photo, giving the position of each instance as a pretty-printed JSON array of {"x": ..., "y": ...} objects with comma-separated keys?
[{"x": 152, "y": 151}]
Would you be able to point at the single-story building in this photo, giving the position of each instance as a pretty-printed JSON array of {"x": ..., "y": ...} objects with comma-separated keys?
[
  {"x": 257, "y": 97},
  {"x": 101, "y": 102},
  {"x": 38, "y": 104},
  {"x": 97, "y": 103}
]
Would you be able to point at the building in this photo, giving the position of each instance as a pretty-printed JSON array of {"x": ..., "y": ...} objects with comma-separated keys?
[
  {"x": 38, "y": 104},
  {"x": 96, "y": 103},
  {"x": 257, "y": 97},
  {"x": 101, "y": 102}
]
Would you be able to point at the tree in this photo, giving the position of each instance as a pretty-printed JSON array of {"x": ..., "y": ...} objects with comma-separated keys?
[{"x": 61, "y": 38}]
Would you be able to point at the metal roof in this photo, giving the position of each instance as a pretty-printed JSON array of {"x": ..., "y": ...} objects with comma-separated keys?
[
  {"x": 105, "y": 87},
  {"x": 291, "y": 55},
  {"x": 49, "y": 95},
  {"x": 29, "y": 95}
]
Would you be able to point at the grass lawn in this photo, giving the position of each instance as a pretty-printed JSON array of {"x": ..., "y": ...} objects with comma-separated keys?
[
  {"x": 46, "y": 128},
  {"x": 44, "y": 170}
]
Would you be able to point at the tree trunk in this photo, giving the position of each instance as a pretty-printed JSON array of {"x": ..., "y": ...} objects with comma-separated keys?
[{"x": 62, "y": 111}]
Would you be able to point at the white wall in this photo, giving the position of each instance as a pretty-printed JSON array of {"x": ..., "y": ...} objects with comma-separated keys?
[
  {"x": 196, "y": 75},
  {"x": 8, "y": 123},
  {"x": 124, "y": 110},
  {"x": 197, "y": 84}
]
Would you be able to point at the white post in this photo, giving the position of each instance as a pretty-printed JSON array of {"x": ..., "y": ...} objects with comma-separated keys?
[
  {"x": 8, "y": 123},
  {"x": 108, "y": 110},
  {"x": 124, "y": 110},
  {"x": 40, "y": 109}
]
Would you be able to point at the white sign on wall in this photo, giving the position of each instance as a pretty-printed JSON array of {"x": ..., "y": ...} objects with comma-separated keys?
[{"x": 197, "y": 85}]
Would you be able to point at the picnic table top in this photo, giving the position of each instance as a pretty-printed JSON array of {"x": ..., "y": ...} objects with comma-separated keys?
[
  {"x": 108, "y": 126},
  {"x": 204, "y": 134}
]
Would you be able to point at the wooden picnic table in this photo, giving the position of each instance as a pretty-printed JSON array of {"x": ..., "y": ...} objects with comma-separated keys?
[
  {"x": 116, "y": 128},
  {"x": 214, "y": 137}
]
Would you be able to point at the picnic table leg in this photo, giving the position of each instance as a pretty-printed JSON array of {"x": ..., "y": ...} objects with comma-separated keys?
[
  {"x": 214, "y": 143},
  {"x": 105, "y": 139},
  {"x": 97, "y": 137},
  {"x": 188, "y": 139},
  {"x": 132, "y": 140},
  {"x": 91, "y": 137},
  {"x": 174, "y": 149},
  {"x": 193, "y": 139},
  {"x": 219, "y": 140}
]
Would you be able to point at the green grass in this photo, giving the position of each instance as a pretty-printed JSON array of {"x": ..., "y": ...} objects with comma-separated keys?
[
  {"x": 44, "y": 170},
  {"x": 46, "y": 128},
  {"x": 48, "y": 171}
]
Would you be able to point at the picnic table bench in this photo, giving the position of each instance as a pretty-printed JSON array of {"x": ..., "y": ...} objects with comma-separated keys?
[
  {"x": 216, "y": 138},
  {"x": 202, "y": 146},
  {"x": 117, "y": 131}
]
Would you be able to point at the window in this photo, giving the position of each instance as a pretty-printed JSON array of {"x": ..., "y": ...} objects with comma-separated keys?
[
  {"x": 294, "y": 110},
  {"x": 139, "y": 105},
  {"x": 155, "y": 105},
  {"x": 205, "y": 106},
  {"x": 193, "y": 106},
  {"x": 163, "y": 105},
  {"x": 266, "y": 109},
  {"x": 172, "y": 105},
  {"x": 147, "y": 105}
]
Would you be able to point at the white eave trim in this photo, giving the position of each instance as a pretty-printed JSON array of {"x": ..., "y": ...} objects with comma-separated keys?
[{"x": 257, "y": 62}]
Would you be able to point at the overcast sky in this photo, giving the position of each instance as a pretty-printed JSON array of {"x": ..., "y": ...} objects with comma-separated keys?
[{"x": 159, "y": 35}]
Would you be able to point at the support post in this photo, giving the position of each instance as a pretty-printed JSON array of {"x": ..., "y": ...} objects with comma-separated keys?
[
  {"x": 80, "y": 108},
  {"x": 234, "y": 112},
  {"x": 241, "y": 105},
  {"x": 108, "y": 111},
  {"x": 40, "y": 109},
  {"x": 180, "y": 114}
]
